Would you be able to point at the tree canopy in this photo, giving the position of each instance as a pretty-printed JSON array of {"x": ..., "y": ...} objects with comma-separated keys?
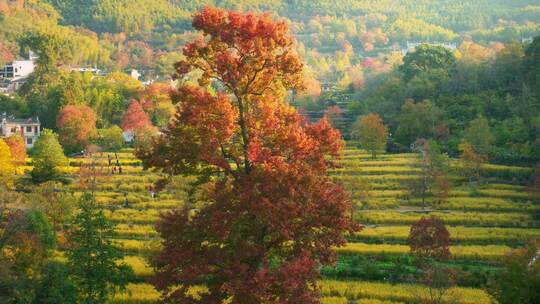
[{"x": 273, "y": 215}]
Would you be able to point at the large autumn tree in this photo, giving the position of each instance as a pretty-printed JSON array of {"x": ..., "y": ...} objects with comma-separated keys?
[
  {"x": 263, "y": 215},
  {"x": 76, "y": 127}
]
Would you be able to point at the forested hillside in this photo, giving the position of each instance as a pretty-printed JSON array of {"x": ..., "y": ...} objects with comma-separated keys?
[{"x": 141, "y": 33}]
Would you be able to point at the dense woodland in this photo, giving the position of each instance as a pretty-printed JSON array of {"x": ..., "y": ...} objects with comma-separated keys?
[{"x": 298, "y": 153}]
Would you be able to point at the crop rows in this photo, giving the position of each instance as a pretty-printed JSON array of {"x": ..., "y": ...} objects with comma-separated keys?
[{"x": 484, "y": 223}]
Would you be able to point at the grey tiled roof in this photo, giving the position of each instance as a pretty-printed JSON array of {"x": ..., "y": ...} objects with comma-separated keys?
[{"x": 13, "y": 120}]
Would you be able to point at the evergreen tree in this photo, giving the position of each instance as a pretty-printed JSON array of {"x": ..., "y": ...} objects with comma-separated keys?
[{"x": 93, "y": 260}]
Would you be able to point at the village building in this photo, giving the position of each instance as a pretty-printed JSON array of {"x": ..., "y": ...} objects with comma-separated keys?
[
  {"x": 411, "y": 46},
  {"x": 15, "y": 73},
  {"x": 29, "y": 128}
]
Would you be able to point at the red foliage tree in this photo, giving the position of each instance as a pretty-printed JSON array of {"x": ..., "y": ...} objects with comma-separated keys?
[
  {"x": 76, "y": 126},
  {"x": 135, "y": 117},
  {"x": 17, "y": 148},
  {"x": 264, "y": 214},
  {"x": 156, "y": 100},
  {"x": 429, "y": 238}
]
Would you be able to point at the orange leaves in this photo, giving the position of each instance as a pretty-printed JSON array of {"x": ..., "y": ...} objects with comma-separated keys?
[
  {"x": 76, "y": 126},
  {"x": 200, "y": 131},
  {"x": 135, "y": 117},
  {"x": 212, "y": 117},
  {"x": 17, "y": 148},
  {"x": 248, "y": 53}
]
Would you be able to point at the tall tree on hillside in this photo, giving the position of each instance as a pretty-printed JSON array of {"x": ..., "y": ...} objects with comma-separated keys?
[
  {"x": 371, "y": 132},
  {"x": 47, "y": 156},
  {"x": 42, "y": 99},
  {"x": 135, "y": 117},
  {"x": 93, "y": 260},
  {"x": 76, "y": 127},
  {"x": 264, "y": 214}
]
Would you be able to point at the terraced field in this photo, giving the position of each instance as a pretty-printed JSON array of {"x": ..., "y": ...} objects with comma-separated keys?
[{"x": 484, "y": 224}]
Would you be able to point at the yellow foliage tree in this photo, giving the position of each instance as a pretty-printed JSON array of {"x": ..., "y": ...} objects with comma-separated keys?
[
  {"x": 371, "y": 132},
  {"x": 7, "y": 169}
]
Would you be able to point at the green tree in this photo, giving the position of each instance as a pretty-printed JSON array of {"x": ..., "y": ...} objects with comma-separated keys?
[
  {"x": 111, "y": 139},
  {"x": 41, "y": 90},
  {"x": 426, "y": 58},
  {"x": 55, "y": 286},
  {"x": 47, "y": 157},
  {"x": 93, "y": 260},
  {"x": 49, "y": 46},
  {"x": 419, "y": 120}
]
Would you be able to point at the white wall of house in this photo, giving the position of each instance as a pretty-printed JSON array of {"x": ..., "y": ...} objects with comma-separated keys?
[
  {"x": 29, "y": 131},
  {"x": 18, "y": 69}
]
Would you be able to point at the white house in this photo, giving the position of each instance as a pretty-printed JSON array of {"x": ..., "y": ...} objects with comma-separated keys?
[
  {"x": 135, "y": 74},
  {"x": 14, "y": 74},
  {"x": 29, "y": 128},
  {"x": 17, "y": 69}
]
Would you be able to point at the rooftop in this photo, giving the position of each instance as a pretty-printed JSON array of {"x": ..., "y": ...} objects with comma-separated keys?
[{"x": 10, "y": 119}]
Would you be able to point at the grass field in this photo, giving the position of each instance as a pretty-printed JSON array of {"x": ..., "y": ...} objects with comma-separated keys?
[{"x": 484, "y": 223}]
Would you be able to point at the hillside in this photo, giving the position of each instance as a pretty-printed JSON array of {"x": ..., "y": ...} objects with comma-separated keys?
[{"x": 103, "y": 27}]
